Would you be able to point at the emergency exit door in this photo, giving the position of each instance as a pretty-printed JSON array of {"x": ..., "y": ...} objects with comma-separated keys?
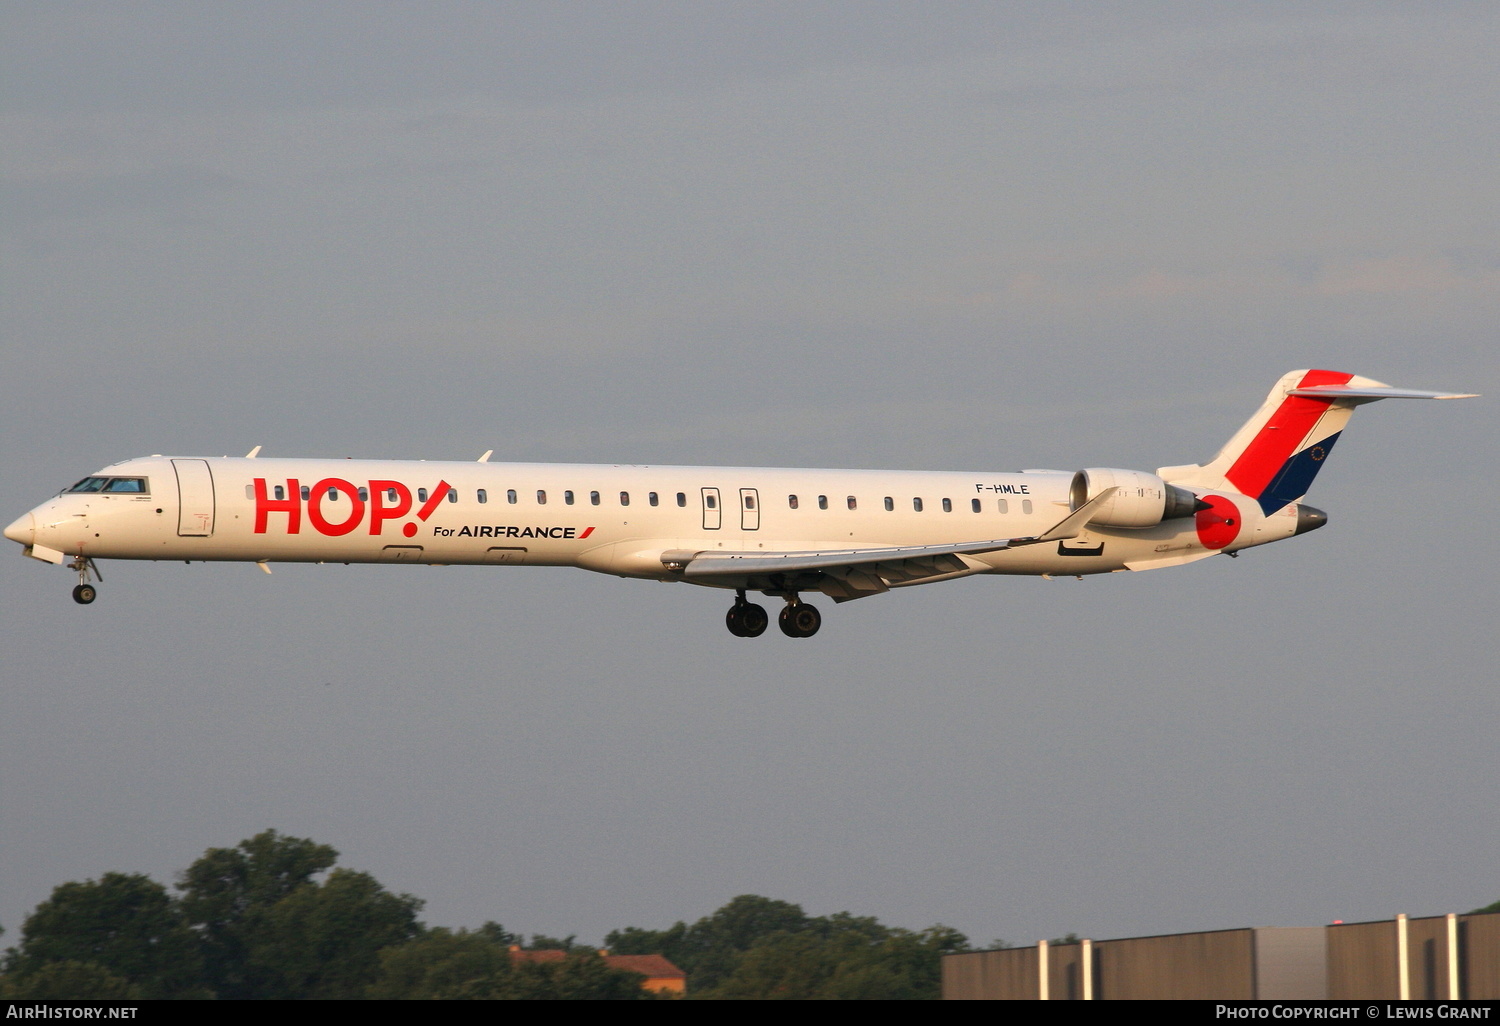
[
  {"x": 749, "y": 510},
  {"x": 713, "y": 513}
]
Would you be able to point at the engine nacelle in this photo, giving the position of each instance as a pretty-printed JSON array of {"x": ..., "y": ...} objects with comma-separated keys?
[{"x": 1143, "y": 500}]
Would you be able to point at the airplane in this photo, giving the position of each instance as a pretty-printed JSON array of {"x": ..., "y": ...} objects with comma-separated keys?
[{"x": 845, "y": 534}]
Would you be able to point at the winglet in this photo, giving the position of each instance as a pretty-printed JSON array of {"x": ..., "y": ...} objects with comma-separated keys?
[
  {"x": 486, "y": 457},
  {"x": 253, "y": 453}
]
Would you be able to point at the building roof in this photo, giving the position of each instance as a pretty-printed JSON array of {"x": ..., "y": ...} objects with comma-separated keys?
[{"x": 653, "y": 966}]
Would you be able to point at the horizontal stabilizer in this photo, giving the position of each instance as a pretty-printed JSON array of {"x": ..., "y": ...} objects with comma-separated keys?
[{"x": 1370, "y": 394}]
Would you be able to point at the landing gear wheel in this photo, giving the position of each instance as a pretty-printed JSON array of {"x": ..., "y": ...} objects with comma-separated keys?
[
  {"x": 746, "y": 620},
  {"x": 753, "y": 620},
  {"x": 84, "y": 594},
  {"x": 799, "y": 620}
]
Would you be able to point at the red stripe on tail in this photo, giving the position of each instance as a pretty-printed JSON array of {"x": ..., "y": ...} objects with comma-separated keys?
[{"x": 1282, "y": 433}]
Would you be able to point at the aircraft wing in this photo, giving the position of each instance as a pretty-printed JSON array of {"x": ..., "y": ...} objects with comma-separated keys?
[{"x": 846, "y": 574}]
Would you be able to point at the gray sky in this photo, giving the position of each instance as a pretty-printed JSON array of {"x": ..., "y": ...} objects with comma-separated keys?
[{"x": 945, "y": 236}]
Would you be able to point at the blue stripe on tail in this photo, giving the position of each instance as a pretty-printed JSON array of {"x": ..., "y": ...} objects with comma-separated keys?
[{"x": 1296, "y": 475}]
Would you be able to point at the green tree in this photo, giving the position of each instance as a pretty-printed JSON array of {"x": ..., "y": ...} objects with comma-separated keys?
[
  {"x": 124, "y": 926},
  {"x": 844, "y": 958},
  {"x": 441, "y": 964},
  {"x": 757, "y": 947},
  {"x": 68, "y": 981},
  {"x": 228, "y": 893},
  {"x": 270, "y": 930},
  {"x": 324, "y": 941},
  {"x": 1482, "y": 911},
  {"x": 473, "y": 966},
  {"x": 710, "y": 949}
]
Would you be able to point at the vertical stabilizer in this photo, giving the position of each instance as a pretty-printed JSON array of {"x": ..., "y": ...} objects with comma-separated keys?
[{"x": 1274, "y": 457}]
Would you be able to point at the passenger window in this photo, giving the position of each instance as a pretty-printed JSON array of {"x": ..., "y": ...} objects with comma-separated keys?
[
  {"x": 568, "y": 497},
  {"x": 974, "y": 505},
  {"x": 421, "y": 495},
  {"x": 749, "y": 502},
  {"x": 249, "y": 491},
  {"x": 307, "y": 493},
  {"x": 333, "y": 495},
  {"x": 452, "y": 494},
  {"x": 947, "y": 505},
  {"x": 364, "y": 495},
  {"x": 1004, "y": 506},
  {"x": 541, "y": 497},
  {"x": 822, "y": 502},
  {"x": 510, "y": 496},
  {"x": 916, "y": 504},
  {"x": 593, "y": 498},
  {"x": 682, "y": 498},
  {"x": 791, "y": 502},
  {"x": 1025, "y": 505},
  {"x": 853, "y": 502},
  {"x": 711, "y": 501},
  {"x": 390, "y": 495},
  {"x": 651, "y": 498},
  {"x": 624, "y": 498},
  {"x": 280, "y": 493},
  {"x": 481, "y": 495}
]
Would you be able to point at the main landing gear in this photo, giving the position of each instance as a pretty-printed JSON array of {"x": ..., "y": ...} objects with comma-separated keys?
[
  {"x": 85, "y": 592},
  {"x": 748, "y": 620},
  {"x": 799, "y": 620}
]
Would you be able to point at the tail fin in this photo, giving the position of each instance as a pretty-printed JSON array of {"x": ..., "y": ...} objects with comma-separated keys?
[{"x": 1274, "y": 457}]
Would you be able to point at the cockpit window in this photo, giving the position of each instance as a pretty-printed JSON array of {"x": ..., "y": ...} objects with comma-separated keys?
[{"x": 128, "y": 485}]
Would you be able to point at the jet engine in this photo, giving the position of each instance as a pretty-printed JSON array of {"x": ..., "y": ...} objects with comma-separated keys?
[{"x": 1143, "y": 500}]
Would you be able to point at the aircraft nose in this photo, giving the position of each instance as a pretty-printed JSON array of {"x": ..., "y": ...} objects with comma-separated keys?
[{"x": 22, "y": 530}]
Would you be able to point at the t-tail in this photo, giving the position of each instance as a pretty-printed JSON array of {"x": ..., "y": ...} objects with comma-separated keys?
[{"x": 1274, "y": 457}]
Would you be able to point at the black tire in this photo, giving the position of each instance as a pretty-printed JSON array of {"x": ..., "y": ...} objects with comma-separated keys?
[
  {"x": 799, "y": 621},
  {"x": 806, "y": 619},
  {"x": 84, "y": 594},
  {"x": 735, "y": 620},
  {"x": 753, "y": 621}
]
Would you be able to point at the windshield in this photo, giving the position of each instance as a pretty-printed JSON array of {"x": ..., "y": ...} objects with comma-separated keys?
[{"x": 116, "y": 485}]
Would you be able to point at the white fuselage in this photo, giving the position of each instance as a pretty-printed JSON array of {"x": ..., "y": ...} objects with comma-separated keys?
[{"x": 612, "y": 519}]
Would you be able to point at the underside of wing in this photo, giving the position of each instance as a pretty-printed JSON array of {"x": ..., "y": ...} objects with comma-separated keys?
[
  {"x": 840, "y": 574},
  {"x": 845, "y": 574}
]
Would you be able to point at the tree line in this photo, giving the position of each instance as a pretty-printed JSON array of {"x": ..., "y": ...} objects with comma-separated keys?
[{"x": 276, "y": 918}]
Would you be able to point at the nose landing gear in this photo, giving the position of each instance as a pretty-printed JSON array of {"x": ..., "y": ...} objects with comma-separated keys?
[{"x": 85, "y": 592}]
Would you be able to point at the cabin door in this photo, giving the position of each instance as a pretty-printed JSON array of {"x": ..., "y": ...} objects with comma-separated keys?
[{"x": 195, "y": 498}]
